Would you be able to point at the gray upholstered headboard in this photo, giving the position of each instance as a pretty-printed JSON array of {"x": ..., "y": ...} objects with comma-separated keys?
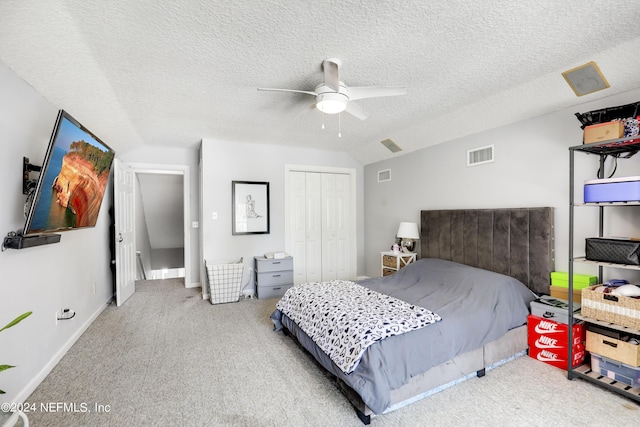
[{"x": 516, "y": 242}]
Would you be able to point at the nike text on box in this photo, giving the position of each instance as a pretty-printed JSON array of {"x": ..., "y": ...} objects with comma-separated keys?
[
  {"x": 537, "y": 327},
  {"x": 558, "y": 357}
]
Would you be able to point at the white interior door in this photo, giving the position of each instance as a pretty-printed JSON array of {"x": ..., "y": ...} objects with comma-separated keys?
[
  {"x": 336, "y": 262},
  {"x": 124, "y": 232},
  {"x": 329, "y": 235},
  {"x": 342, "y": 195},
  {"x": 313, "y": 224},
  {"x": 298, "y": 224}
]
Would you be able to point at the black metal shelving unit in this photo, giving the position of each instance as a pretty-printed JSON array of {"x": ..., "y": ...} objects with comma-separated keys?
[{"x": 621, "y": 146}]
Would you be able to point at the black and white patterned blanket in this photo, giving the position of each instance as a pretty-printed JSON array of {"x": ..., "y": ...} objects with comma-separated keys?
[{"x": 344, "y": 318}]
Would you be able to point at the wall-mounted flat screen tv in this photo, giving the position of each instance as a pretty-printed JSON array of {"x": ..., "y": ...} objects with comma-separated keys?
[{"x": 72, "y": 180}]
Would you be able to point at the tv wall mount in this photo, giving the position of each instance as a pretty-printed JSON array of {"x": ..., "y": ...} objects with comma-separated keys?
[
  {"x": 15, "y": 239},
  {"x": 28, "y": 185}
]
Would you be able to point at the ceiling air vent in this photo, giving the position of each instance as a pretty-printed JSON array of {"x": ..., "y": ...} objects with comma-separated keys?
[
  {"x": 384, "y": 175},
  {"x": 480, "y": 156},
  {"x": 391, "y": 146}
]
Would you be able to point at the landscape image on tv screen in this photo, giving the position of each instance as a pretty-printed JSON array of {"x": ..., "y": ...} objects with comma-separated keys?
[{"x": 73, "y": 180}]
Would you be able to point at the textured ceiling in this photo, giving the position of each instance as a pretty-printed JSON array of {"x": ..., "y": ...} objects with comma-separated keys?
[{"x": 169, "y": 73}]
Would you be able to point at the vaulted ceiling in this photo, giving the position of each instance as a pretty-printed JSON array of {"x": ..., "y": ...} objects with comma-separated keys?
[{"x": 169, "y": 73}]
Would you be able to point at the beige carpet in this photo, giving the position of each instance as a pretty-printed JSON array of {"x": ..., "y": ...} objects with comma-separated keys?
[{"x": 169, "y": 358}]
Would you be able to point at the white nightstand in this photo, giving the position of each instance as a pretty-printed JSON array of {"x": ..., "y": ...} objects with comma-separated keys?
[{"x": 390, "y": 262}]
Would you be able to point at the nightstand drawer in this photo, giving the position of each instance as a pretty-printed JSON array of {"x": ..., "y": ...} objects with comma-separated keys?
[
  {"x": 392, "y": 260},
  {"x": 265, "y": 292},
  {"x": 263, "y": 265},
  {"x": 389, "y": 261},
  {"x": 275, "y": 278}
]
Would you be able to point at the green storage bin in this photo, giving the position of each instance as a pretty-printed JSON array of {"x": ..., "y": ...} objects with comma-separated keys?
[{"x": 580, "y": 281}]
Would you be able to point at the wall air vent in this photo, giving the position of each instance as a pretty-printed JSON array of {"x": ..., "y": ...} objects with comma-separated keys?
[
  {"x": 384, "y": 175},
  {"x": 391, "y": 146},
  {"x": 480, "y": 156}
]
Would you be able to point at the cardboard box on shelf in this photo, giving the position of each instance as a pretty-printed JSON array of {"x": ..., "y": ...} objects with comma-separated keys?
[
  {"x": 619, "y": 350},
  {"x": 563, "y": 293},
  {"x": 603, "y": 132}
]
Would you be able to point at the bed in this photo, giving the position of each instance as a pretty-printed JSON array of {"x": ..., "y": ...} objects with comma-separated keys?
[{"x": 477, "y": 273}]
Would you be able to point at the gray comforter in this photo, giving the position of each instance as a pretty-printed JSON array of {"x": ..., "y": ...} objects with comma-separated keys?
[{"x": 476, "y": 306}]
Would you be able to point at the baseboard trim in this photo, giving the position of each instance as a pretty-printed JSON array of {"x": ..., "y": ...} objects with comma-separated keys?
[{"x": 46, "y": 370}]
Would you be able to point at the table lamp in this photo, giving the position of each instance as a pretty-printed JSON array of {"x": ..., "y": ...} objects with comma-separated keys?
[{"x": 408, "y": 232}]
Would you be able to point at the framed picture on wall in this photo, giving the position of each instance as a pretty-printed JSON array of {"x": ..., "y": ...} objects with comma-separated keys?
[{"x": 250, "y": 205}]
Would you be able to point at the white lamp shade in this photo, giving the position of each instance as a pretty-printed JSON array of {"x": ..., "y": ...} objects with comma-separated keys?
[{"x": 408, "y": 230}]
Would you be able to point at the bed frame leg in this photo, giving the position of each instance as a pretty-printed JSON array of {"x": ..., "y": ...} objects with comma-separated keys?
[
  {"x": 481, "y": 373},
  {"x": 366, "y": 419}
]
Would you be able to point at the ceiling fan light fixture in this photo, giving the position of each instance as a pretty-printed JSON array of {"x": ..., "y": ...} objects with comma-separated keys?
[{"x": 331, "y": 103}]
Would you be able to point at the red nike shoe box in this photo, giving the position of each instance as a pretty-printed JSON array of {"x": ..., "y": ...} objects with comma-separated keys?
[
  {"x": 538, "y": 327},
  {"x": 558, "y": 357},
  {"x": 548, "y": 342}
]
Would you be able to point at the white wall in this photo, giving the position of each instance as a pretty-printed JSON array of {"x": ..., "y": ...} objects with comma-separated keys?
[
  {"x": 223, "y": 162},
  {"x": 531, "y": 168},
  {"x": 46, "y": 278}
]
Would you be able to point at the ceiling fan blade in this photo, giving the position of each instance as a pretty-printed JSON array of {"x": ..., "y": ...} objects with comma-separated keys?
[
  {"x": 356, "y": 111},
  {"x": 375, "y": 91},
  {"x": 330, "y": 67},
  {"x": 308, "y": 92}
]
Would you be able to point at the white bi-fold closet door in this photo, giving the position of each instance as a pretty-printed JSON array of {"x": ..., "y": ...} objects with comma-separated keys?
[{"x": 321, "y": 225}]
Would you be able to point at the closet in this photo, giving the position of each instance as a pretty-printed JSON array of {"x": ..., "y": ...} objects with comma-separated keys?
[{"x": 321, "y": 224}]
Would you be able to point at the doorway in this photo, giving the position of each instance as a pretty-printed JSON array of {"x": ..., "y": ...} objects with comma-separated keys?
[
  {"x": 163, "y": 236},
  {"x": 159, "y": 239}
]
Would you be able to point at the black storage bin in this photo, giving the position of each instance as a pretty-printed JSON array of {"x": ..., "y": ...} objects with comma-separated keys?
[{"x": 616, "y": 250}]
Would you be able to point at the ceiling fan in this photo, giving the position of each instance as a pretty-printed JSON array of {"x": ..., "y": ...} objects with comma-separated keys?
[{"x": 333, "y": 96}]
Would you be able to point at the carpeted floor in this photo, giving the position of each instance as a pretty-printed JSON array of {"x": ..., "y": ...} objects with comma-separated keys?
[{"x": 169, "y": 358}]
